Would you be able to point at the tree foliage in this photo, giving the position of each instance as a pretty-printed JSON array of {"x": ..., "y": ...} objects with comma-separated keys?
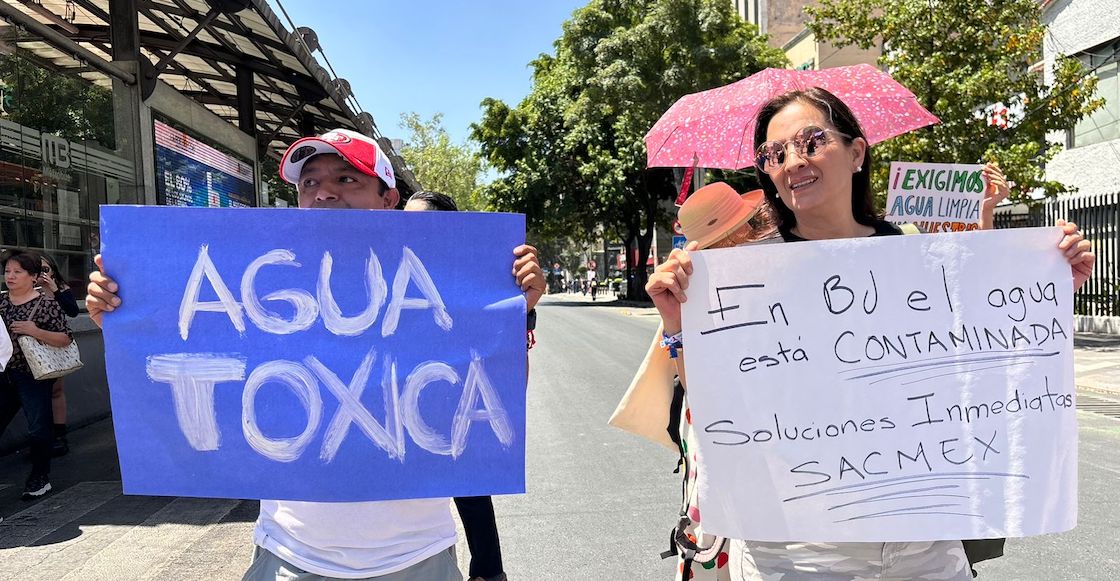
[
  {"x": 277, "y": 188},
  {"x": 71, "y": 107},
  {"x": 571, "y": 154},
  {"x": 960, "y": 57},
  {"x": 440, "y": 164}
]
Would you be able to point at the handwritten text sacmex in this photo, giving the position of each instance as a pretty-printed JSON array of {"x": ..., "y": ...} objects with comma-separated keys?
[
  {"x": 926, "y": 409},
  {"x": 193, "y": 376}
]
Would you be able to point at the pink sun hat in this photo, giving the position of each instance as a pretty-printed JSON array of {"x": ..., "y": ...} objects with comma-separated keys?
[{"x": 716, "y": 210}]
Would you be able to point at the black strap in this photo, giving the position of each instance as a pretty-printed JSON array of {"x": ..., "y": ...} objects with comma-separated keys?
[
  {"x": 678, "y": 537},
  {"x": 672, "y": 545},
  {"x": 675, "y": 407},
  {"x": 687, "y": 572}
]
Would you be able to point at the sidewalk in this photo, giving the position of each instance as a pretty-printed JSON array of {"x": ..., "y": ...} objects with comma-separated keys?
[
  {"x": 1096, "y": 357},
  {"x": 1096, "y": 365}
]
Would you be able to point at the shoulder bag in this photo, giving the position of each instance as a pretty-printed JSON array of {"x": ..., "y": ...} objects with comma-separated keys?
[{"x": 45, "y": 361}]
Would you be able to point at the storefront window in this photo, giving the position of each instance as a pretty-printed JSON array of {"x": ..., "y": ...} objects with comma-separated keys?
[{"x": 58, "y": 162}]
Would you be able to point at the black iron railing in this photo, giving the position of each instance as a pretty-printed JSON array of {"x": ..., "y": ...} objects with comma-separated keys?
[{"x": 1099, "y": 219}]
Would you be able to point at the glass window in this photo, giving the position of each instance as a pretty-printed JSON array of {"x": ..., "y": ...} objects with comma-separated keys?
[
  {"x": 58, "y": 161},
  {"x": 1104, "y": 123}
]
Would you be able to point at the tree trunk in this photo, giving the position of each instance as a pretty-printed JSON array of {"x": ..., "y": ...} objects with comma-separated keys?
[
  {"x": 647, "y": 217},
  {"x": 635, "y": 286},
  {"x": 628, "y": 246},
  {"x": 642, "y": 277},
  {"x": 645, "y": 241}
]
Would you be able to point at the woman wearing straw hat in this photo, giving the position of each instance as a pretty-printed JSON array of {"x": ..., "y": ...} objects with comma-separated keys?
[
  {"x": 655, "y": 406},
  {"x": 820, "y": 189}
]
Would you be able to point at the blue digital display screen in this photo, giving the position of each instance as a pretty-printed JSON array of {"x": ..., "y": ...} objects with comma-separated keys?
[{"x": 192, "y": 173}]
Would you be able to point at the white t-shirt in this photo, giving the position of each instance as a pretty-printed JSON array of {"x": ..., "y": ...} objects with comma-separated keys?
[{"x": 352, "y": 540}]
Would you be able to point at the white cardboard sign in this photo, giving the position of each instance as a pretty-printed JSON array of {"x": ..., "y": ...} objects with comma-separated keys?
[
  {"x": 898, "y": 388},
  {"x": 936, "y": 197}
]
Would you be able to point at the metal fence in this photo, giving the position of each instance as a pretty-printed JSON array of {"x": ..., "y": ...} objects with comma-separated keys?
[{"x": 1099, "y": 220}]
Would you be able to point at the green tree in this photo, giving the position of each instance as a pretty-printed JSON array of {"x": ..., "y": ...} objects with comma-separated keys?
[
  {"x": 960, "y": 57},
  {"x": 440, "y": 164},
  {"x": 572, "y": 154},
  {"x": 55, "y": 103},
  {"x": 277, "y": 187}
]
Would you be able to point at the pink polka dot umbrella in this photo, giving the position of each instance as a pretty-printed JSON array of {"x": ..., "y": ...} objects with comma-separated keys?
[{"x": 717, "y": 126}]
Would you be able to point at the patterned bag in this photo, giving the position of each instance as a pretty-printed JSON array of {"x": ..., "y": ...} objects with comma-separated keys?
[{"x": 45, "y": 361}]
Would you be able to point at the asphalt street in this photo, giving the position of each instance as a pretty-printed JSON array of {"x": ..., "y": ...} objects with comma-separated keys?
[{"x": 599, "y": 505}]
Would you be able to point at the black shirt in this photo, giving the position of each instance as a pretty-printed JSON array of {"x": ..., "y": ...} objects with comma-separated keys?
[{"x": 882, "y": 228}]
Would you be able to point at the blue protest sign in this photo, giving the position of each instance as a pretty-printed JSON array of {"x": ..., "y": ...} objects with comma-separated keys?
[
  {"x": 679, "y": 242},
  {"x": 318, "y": 355}
]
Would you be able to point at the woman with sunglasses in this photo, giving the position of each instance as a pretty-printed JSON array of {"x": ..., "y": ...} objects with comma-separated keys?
[
  {"x": 51, "y": 281},
  {"x": 814, "y": 164}
]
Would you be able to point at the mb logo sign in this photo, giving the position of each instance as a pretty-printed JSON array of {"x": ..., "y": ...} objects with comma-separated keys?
[
  {"x": 56, "y": 150},
  {"x": 56, "y": 157}
]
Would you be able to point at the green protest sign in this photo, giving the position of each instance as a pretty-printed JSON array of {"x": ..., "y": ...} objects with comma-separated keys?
[{"x": 936, "y": 197}]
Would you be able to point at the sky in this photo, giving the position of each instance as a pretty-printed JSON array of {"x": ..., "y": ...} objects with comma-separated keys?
[{"x": 432, "y": 56}]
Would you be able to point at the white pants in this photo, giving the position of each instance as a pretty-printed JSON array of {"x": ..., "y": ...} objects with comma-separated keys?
[{"x": 759, "y": 561}]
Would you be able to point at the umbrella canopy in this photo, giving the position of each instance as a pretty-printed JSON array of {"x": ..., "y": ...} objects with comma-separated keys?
[{"x": 717, "y": 126}]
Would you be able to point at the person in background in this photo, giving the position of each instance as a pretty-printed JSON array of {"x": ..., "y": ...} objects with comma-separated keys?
[
  {"x": 51, "y": 281},
  {"x": 477, "y": 512},
  {"x": 28, "y": 311}
]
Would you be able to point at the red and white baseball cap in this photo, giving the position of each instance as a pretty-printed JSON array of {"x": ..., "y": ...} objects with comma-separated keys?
[{"x": 361, "y": 151}]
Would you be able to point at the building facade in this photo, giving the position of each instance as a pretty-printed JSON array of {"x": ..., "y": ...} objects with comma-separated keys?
[
  {"x": 780, "y": 19},
  {"x": 1090, "y": 31},
  {"x": 784, "y": 22},
  {"x": 805, "y": 52}
]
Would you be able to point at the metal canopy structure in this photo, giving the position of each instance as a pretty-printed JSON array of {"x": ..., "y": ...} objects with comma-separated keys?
[{"x": 206, "y": 50}]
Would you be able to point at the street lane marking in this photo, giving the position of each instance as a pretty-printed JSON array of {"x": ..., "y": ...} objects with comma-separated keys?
[
  {"x": 1105, "y": 468},
  {"x": 1080, "y": 368},
  {"x": 1100, "y": 405}
]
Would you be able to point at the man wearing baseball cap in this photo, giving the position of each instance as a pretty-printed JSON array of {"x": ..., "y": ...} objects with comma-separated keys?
[
  {"x": 351, "y": 160},
  {"x": 398, "y": 540}
]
